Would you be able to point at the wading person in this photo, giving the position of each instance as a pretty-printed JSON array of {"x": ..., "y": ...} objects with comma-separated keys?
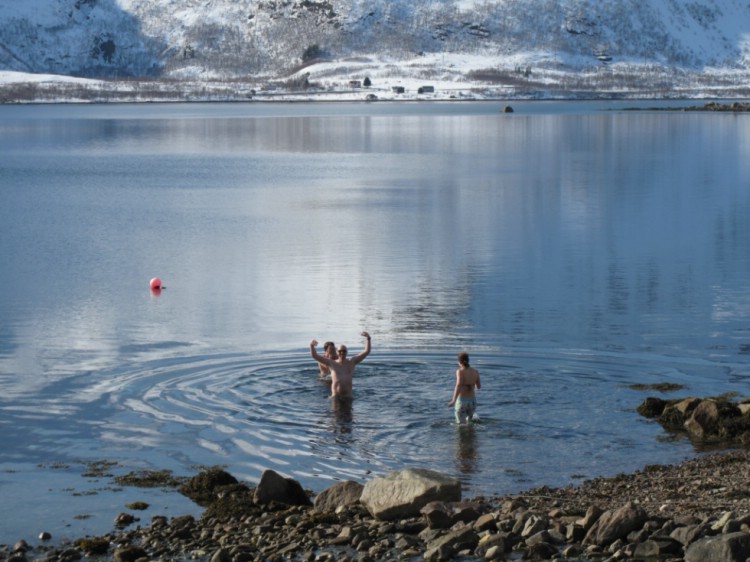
[
  {"x": 464, "y": 399},
  {"x": 342, "y": 368}
]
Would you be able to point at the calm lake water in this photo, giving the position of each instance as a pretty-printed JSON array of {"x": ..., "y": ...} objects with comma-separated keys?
[{"x": 573, "y": 249}]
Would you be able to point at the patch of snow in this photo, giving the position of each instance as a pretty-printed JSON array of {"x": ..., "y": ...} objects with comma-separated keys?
[{"x": 13, "y": 77}]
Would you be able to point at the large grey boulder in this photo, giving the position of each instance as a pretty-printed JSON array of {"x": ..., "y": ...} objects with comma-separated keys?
[
  {"x": 403, "y": 493},
  {"x": 616, "y": 524},
  {"x": 342, "y": 494},
  {"x": 732, "y": 547}
]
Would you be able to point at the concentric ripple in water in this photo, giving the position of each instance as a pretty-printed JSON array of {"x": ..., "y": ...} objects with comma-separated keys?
[{"x": 548, "y": 418}]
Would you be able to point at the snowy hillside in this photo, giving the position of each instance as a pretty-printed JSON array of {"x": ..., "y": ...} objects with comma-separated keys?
[
  {"x": 225, "y": 38},
  {"x": 315, "y": 42}
]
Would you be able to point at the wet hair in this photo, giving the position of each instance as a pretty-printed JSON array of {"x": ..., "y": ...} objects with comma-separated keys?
[
  {"x": 463, "y": 358},
  {"x": 328, "y": 344}
]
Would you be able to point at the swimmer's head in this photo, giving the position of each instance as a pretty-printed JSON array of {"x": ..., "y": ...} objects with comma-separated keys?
[
  {"x": 463, "y": 359},
  {"x": 330, "y": 348}
]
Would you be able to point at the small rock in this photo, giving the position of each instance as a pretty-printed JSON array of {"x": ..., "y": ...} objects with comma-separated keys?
[
  {"x": 129, "y": 553},
  {"x": 344, "y": 537},
  {"x": 221, "y": 555},
  {"x": 138, "y": 506},
  {"x": 124, "y": 519},
  {"x": 723, "y": 520},
  {"x": 657, "y": 547},
  {"x": 494, "y": 553},
  {"x": 70, "y": 555},
  {"x": 574, "y": 533},
  {"x": 572, "y": 551},
  {"x": 438, "y": 515},
  {"x": 592, "y": 515},
  {"x": 462, "y": 539},
  {"x": 617, "y": 524},
  {"x": 540, "y": 551},
  {"x": 652, "y": 407},
  {"x": 534, "y": 524},
  {"x": 485, "y": 522}
]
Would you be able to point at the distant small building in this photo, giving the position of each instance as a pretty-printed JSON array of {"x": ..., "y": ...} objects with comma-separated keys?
[
  {"x": 426, "y": 90},
  {"x": 355, "y": 83},
  {"x": 398, "y": 89}
]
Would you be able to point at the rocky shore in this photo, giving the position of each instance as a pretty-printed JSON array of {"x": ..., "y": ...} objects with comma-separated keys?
[
  {"x": 695, "y": 511},
  {"x": 735, "y": 107}
]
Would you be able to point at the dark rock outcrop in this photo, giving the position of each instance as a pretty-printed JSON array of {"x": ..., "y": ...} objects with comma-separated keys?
[
  {"x": 275, "y": 488},
  {"x": 206, "y": 486},
  {"x": 705, "y": 420}
]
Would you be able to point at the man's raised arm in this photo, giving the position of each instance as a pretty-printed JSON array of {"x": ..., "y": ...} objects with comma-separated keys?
[
  {"x": 366, "y": 352},
  {"x": 319, "y": 358}
]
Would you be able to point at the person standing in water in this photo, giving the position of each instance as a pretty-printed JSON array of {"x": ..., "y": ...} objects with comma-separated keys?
[
  {"x": 464, "y": 399},
  {"x": 329, "y": 350},
  {"x": 342, "y": 368}
]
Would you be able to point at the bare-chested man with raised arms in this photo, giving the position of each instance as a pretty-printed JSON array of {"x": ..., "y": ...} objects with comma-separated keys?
[{"x": 342, "y": 369}]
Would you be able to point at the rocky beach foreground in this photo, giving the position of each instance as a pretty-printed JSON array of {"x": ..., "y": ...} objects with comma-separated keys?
[{"x": 695, "y": 511}]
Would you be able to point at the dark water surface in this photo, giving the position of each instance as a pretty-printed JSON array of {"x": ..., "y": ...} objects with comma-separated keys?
[{"x": 573, "y": 249}]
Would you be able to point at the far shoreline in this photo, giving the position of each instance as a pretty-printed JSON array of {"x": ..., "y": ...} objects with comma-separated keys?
[{"x": 730, "y": 105}]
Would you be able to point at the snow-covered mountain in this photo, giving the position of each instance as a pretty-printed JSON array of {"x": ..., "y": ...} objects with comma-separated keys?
[{"x": 235, "y": 38}]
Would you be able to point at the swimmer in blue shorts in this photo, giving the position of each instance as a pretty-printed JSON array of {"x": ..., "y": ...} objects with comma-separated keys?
[{"x": 464, "y": 401}]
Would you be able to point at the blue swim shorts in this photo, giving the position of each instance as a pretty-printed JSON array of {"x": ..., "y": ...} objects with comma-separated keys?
[{"x": 464, "y": 409}]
